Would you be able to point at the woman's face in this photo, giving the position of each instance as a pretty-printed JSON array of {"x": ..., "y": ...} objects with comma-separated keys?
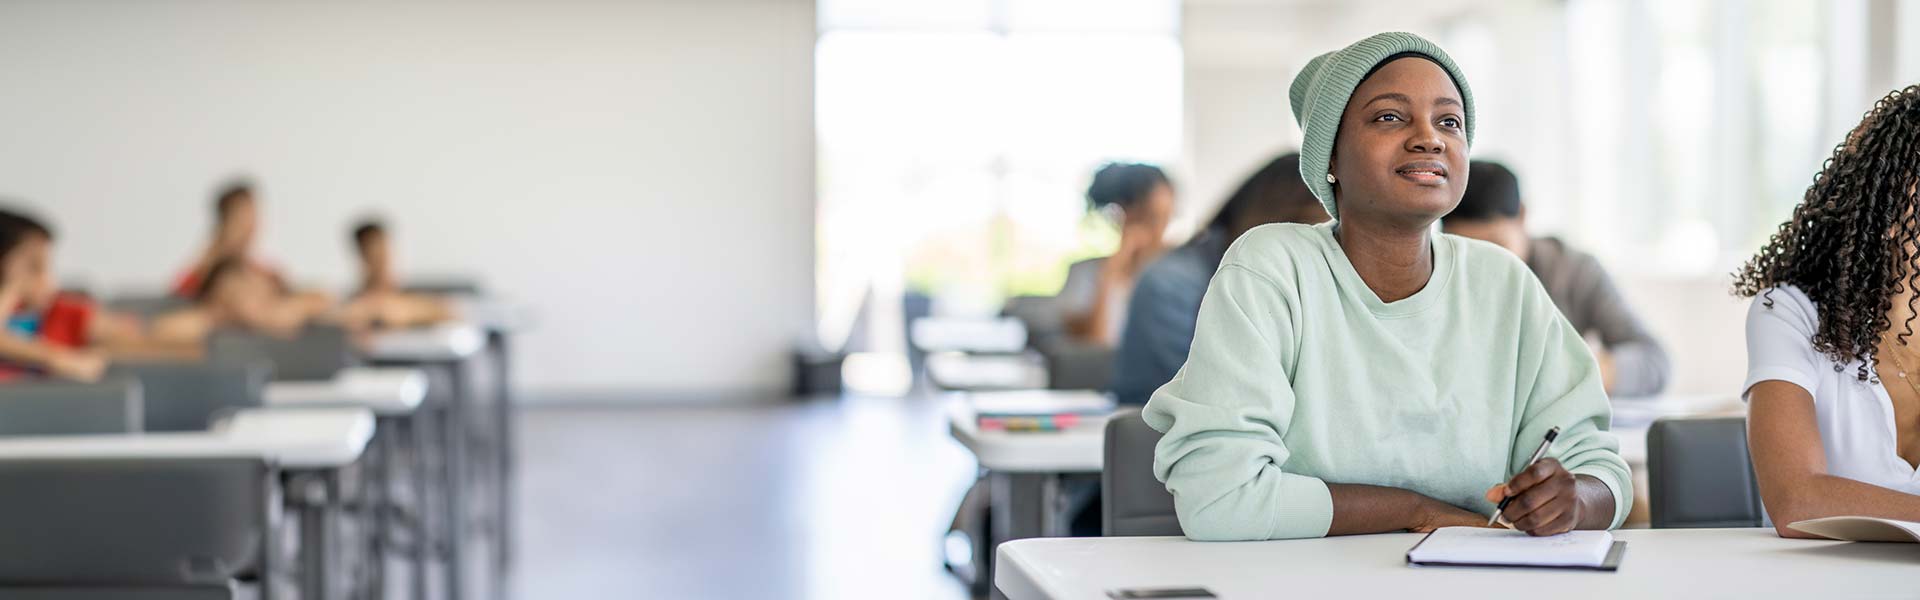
[
  {"x": 1401, "y": 153},
  {"x": 1154, "y": 211}
]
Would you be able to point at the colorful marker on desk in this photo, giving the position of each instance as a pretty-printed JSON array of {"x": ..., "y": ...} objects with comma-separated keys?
[{"x": 1537, "y": 455}]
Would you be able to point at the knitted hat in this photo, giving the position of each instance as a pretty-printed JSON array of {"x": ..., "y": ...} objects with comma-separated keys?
[{"x": 1320, "y": 92}]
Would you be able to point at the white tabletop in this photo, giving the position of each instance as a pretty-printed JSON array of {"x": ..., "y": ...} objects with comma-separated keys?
[
  {"x": 306, "y": 438},
  {"x": 1075, "y": 450},
  {"x": 961, "y": 334},
  {"x": 452, "y": 341},
  {"x": 963, "y": 371},
  {"x": 1659, "y": 563},
  {"x": 384, "y": 391}
]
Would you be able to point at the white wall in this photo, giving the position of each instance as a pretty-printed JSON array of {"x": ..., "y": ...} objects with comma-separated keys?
[{"x": 639, "y": 172}]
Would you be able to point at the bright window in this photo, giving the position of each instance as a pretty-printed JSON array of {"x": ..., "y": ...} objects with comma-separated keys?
[{"x": 956, "y": 140}]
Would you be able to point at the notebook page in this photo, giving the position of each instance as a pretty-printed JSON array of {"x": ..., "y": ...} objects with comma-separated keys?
[{"x": 1481, "y": 546}]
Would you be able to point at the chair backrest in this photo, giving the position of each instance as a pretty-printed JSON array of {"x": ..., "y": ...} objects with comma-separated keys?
[
  {"x": 133, "y": 522},
  {"x": 1132, "y": 500},
  {"x": 190, "y": 396},
  {"x": 317, "y": 354},
  {"x": 1699, "y": 474},
  {"x": 148, "y": 307},
  {"x": 48, "y": 407}
]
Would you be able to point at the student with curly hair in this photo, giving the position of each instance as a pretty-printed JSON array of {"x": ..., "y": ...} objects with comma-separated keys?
[{"x": 1833, "y": 379}]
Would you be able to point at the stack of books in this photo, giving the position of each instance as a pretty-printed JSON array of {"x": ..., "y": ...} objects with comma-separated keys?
[{"x": 1039, "y": 410}]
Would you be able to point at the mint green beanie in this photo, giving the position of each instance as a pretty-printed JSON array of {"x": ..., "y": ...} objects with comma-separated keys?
[{"x": 1320, "y": 92}]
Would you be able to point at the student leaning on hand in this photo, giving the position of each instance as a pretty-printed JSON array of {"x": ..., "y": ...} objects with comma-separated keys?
[{"x": 1367, "y": 375}]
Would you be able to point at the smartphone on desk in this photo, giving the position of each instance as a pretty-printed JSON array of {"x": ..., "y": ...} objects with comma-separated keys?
[{"x": 1159, "y": 593}]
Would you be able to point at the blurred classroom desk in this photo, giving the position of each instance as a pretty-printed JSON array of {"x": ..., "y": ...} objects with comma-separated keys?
[
  {"x": 384, "y": 391},
  {"x": 1659, "y": 563},
  {"x": 295, "y": 439},
  {"x": 1632, "y": 417},
  {"x": 1024, "y": 468}
]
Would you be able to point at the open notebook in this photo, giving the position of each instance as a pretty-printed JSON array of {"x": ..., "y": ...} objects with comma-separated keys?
[
  {"x": 1861, "y": 529},
  {"x": 1476, "y": 546}
]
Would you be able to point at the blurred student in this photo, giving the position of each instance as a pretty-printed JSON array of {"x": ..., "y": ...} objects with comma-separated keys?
[
  {"x": 235, "y": 294},
  {"x": 236, "y": 222},
  {"x": 380, "y": 303},
  {"x": 47, "y": 331},
  {"x": 1833, "y": 378},
  {"x": 1139, "y": 198},
  {"x": 1166, "y": 301},
  {"x": 1632, "y": 362}
]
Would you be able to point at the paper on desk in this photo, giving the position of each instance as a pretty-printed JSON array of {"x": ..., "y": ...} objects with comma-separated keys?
[
  {"x": 1481, "y": 546},
  {"x": 1861, "y": 529}
]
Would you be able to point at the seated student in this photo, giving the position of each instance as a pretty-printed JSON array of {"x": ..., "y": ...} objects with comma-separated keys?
[
  {"x": 236, "y": 221},
  {"x": 234, "y": 294},
  {"x": 1167, "y": 298},
  {"x": 380, "y": 303},
  {"x": 1833, "y": 377},
  {"x": 46, "y": 331},
  {"x": 59, "y": 334},
  {"x": 1632, "y": 363},
  {"x": 1368, "y": 375},
  {"x": 1094, "y": 299}
]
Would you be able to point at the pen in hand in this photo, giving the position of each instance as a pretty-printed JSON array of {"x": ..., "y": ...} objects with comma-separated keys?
[{"x": 1537, "y": 455}]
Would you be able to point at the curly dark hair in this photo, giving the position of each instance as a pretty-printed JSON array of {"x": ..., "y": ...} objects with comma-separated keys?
[{"x": 1850, "y": 245}]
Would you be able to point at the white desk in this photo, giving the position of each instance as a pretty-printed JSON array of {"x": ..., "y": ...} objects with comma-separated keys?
[
  {"x": 962, "y": 371},
  {"x": 440, "y": 343},
  {"x": 494, "y": 314},
  {"x": 317, "y": 438},
  {"x": 387, "y": 392},
  {"x": 1659, "y": 563},
  {"x": 1075, "y": 450},
  {"x": 989, "y": 335},
  {"x": 1632, "y": 417}
]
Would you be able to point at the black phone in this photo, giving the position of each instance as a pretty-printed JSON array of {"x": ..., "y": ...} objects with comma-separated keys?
[{"x": 1152, "y": 593}]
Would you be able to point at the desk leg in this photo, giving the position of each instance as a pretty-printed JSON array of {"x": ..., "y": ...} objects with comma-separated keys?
[
  {"x": 378, "y": 488},
  {"x": 503, "y": 439},
  {"x": 417, "y": 470},
  {"x": 454, "y": 441},
  {"x": 316, "y": 535},
  {"x": 1023, "y": 507}
]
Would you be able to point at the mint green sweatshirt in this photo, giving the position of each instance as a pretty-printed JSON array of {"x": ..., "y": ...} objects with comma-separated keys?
[{"x": 1300, "y": 376}]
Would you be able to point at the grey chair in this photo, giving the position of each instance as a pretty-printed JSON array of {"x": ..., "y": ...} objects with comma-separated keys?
[
  {"x": 445, "y": 286},
  {"x": 147, "y": 307},
  {"x": 1699, "y": 474},
  {"x": 1132, "y": 500},
  {"x": 48, "y": 407},
  {"x": 190, "y": 396},
  {"x": 1075, "y": 365},
  {"x": 317, "y": 354},
  {"x": 197, "y": 528}
]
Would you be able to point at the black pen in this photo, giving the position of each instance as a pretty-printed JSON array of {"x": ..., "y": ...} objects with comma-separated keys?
[{"x": 1537, "y": 455}]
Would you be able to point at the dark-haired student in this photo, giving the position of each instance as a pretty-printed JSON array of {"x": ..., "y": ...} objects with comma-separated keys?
[
  {"x": 235, "y": 225},
  {"x": 380, "y": 302},
  {"x": 47, "y": 331},
  {"x": 1094, "y": 298},
  {"x": 1833, "y": 378},
  {"x": 233, "y": 294},
  {"x": 1166, "y": 300},
  {"x": 1632, "y": 362}
]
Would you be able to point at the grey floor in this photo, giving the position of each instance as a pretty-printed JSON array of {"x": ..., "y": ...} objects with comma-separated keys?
[{"x": 823, "y": 499}]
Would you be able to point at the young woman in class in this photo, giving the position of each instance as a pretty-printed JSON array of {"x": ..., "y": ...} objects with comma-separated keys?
[
  {"x": 1139, "y": 198},
  {"x": 380, "y": 302},
  {"x": 1367, "y": 374},
  {"x": 234, "y": 294},
  {"x": 1833, "y": 376}
]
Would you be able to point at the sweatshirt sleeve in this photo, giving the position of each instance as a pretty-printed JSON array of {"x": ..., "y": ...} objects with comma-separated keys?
[
  {"x": 1226, "y": 414},
  {"x": 1641, "y": 366},
  {"x": 1561, "y": 388}
]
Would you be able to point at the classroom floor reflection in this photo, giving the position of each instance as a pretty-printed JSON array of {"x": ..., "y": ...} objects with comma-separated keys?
[{"x": 838, "y": 498}]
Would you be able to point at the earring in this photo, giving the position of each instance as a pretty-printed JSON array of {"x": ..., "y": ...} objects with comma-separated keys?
[{"x": 1330, "y": 178}]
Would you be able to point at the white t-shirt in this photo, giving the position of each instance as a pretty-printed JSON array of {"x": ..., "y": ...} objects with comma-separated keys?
[{"x": 1855, "y": 417}]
